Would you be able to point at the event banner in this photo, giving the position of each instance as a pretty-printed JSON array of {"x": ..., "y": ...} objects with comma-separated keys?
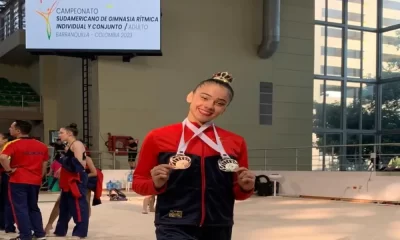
[{"x": 93, "y": 25}]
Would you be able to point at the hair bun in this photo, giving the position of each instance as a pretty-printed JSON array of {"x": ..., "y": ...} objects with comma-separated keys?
[
  {"x": 73, "y": 125},
  {"x": 224, "y": 77}
]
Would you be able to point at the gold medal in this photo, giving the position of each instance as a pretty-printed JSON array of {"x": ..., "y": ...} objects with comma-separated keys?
[
  {"x": 180, "y": 161},
  {"x": 228, "y": 164}
]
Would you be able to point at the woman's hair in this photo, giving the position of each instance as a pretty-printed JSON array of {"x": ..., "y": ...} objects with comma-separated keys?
[
  {"x": 223, "y": 79},
  {"x": 73, "y": 128},
  {"x": 7, "y": 136}
]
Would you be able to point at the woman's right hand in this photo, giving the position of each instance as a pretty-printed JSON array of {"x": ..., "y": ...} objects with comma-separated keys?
[{"x": 160, "y": 174}]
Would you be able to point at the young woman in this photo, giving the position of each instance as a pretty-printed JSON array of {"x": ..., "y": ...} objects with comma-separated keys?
[
  {"x": 6, "y": 216},
  {"x": 73, "y": 184},
  {"x": 198, "y": 180},
  {"x": 95, "y": 182}
]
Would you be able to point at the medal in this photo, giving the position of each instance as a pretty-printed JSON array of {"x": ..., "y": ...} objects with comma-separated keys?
[
  {"x": 226, "y": 163},
  {"x": 180, "y": 160}
]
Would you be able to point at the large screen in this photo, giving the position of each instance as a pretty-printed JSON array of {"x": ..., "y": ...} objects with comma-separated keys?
[{"x": 112, "y": 26}]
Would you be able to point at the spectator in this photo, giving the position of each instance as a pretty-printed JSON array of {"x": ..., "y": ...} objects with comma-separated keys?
[
  {"x": 58, "y": 148},
  {"x": 132, "y": 152}
]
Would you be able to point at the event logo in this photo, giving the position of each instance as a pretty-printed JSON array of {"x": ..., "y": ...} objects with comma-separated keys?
[{"x": 46, "y": 15}]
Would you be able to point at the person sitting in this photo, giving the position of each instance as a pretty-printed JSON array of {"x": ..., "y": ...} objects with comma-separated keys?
[{"x": 394, "y": 164}]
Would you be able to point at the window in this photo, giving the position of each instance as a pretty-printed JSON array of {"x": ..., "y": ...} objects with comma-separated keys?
[
  {"x": 355, "y": 18},
  {"x": 336, "y": 71},
  {"x": 390, "y": 12},
  {"x": 319, "y": 100},
  {"x": 391, "y": 54},
  {"x": 265, "y": 114},
  {"x": 346, "y": 80},
  {"x": 337, "y": 52},
  {"x": 327, "y": 104},
  {"x": 391, "y": 4},
  {"x": 391, "y": 106}
]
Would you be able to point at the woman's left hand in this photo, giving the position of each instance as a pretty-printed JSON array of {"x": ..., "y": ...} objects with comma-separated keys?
[
  {"x": 57, "y": 173},
  {"x": 12, "y": 171},
  {"x": 246, "y": 178}
]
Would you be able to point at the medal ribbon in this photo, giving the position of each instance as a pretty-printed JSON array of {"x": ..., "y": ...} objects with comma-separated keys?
[
  {"x": 216, "y": 146},
  {"x": 197, "y": 131}
]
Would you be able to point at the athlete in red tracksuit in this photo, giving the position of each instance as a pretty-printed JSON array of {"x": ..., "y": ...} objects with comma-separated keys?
[
  {"x": 25, "y": 160},
  {"x": 197, "y": 170}
]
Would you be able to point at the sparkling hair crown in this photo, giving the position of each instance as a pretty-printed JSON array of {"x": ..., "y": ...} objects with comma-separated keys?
[{"x": 224, "y": 77}]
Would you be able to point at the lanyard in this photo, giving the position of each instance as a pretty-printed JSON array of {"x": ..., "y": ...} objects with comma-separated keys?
[
  {"x": 197, "y": 131},
  {"x": 216, "y": 146}
]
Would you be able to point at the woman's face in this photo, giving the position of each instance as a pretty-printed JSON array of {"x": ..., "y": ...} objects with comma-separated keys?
[
  {"x": 3, "y": 140},
  {"x": 208, "y": 102},
  {"x": 64, "y": 134}
]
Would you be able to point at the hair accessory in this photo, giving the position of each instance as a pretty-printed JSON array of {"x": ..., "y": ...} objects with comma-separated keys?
[{"x": 223, "y": 76}]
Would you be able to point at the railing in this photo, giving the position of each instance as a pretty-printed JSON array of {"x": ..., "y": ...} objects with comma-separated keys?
[
  {"x": 365, "y": 157},
  {"x": 356, "y": 157},
  {"x": 25, "y": 102}
]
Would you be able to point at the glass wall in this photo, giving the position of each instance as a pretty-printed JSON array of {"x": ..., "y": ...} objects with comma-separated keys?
[{"x": 356, "y": 82}]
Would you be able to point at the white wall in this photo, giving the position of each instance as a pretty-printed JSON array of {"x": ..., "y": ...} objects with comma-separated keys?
[
  {"x": 320, "y": 184},
  {"x": 368, "y": 185}
]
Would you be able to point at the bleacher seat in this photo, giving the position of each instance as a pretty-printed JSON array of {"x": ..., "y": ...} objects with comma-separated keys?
[{"x": 16, "y": 94}]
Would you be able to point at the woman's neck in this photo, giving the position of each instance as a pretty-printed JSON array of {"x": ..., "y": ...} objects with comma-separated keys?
[
  {"x": 192, "y": 119},
  {"x": 71, "y": 140}
]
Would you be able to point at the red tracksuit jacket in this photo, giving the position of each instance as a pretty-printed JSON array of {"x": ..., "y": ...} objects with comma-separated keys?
[
  {"x": 68, "y": 182},
  {"x": 201, "y": 195},
  {"x": 99, "y": 188}
]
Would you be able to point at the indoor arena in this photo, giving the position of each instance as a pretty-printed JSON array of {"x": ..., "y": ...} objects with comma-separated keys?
[{"x": 206, "y": 120}]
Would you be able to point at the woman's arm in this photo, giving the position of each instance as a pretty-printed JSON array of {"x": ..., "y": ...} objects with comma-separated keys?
[
  {"x": 142, "y": 181},
  {"x": 240, "y": 194},
  {"x": 79, "y": 149},
  {"x": 92, "y": 168}
]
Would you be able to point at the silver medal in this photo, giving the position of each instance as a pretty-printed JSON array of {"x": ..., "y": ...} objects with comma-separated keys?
[{"x": 228, "y": 165}]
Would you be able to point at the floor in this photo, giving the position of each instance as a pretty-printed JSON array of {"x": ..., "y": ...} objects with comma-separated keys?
[{"x": 256, "y": 219}]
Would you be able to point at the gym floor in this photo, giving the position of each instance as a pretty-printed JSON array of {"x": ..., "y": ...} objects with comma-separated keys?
[{"x": 256, "y": 219}]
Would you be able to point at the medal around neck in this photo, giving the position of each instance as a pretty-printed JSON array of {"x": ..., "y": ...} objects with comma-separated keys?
[
  {"x": 180, "y": 161},
  {"x": 228, "y": 164},
  {"x": 225, "y": 164}
]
